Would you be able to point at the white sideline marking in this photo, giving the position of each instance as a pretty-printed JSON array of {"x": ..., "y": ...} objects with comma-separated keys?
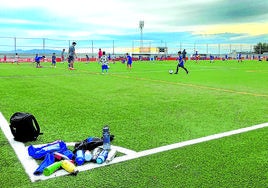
[{"x": 30, "y": 165}]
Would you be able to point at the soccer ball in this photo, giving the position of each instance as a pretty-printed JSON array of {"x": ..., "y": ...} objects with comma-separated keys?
[{"x": 170, "y": 71}]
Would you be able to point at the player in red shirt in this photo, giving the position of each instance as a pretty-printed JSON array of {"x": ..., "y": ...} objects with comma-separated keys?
[{"x": 99, "y": 54}]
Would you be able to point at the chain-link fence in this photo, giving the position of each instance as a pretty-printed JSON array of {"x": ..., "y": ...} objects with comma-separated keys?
[{"x": 28, "y": 47}]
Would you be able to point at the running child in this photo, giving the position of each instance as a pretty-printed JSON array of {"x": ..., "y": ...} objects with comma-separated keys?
[{"x": 180, "y": 63}]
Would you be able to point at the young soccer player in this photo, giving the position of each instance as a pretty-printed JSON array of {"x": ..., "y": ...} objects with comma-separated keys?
[
  {"x": 37, "y": 59},
  {"x": 226, "y": 57},
  {"x": 104, "y": 62},
  {"x": 196, "y": 56},
  {"x": 129, "y": 61},
  {"x": 239, "y": 58},
  {"x": 100, "y": 53},
  {"x": 16, "y": 59},
  {"x": 211, "y": 58},
  {"x": 53, "y": 60},
  {"x": 87, "y": 59},
  {"x": 62, "y": 55},
  {"x": 180, "y": 63},
  {"x": 184, "y": 55}
]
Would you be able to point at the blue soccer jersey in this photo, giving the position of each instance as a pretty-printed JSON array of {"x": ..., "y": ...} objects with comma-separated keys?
[
  {"x": 129, "y": 59},
  {"x": 38, "y": 58},
  {"x": 180, "y": 61}
]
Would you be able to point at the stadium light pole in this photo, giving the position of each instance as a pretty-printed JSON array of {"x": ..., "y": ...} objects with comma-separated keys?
[
  {"x": 113, "y": 47},
  {"x": 141, "y": 25},
  {"x": 15, "y": 44},
  {"x": 44, "y": 45},
  {"x": 92, "y": 54}
]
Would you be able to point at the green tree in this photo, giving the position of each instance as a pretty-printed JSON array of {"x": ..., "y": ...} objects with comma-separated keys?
[{"x": 260, "y": 48}]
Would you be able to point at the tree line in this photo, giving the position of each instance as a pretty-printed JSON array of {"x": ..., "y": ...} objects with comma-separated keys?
[{"x": 260, "y": 48}]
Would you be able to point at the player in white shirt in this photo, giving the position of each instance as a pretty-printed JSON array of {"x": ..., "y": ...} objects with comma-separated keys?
[{"x": 104, "y": 62}]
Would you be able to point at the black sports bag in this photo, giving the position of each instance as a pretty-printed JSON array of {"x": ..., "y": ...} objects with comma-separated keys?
[{"x": 24, "y": 127}]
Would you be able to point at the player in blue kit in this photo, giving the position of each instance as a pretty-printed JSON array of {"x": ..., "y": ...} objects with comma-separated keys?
[
  {"x": 53, "y": 60},
  {"x": 196, "y": 56},
  {"x": 211, "y": 58},
  {"x": 37, "y": 59},
  {"x": 239, "y": 57},
  {"x": 180, "y": 63},
  {"x": 129, "y": 61}
]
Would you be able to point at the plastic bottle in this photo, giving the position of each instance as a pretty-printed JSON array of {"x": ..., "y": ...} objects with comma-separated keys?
[
  {"x": 79, "y": 158},
  {"x": 88, "y": 155},
  {"x": 69, "y": 167},
  {"x": 102, "y": 156},
  {"x": 106, "y": 138},
  {"x": 60, "y": 156},
  {"x": 96, "y": 153},
  {"x": 68, "y": 153},
  {"x": 52, "y": 168},
  {"x": 111, "y": 155}
]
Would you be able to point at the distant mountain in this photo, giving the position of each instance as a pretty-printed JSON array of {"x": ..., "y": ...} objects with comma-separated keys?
[{"x": 33, "y": 51}]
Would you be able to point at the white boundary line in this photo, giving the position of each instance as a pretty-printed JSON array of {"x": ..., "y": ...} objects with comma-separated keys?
[{"x": 30, "y": 165}]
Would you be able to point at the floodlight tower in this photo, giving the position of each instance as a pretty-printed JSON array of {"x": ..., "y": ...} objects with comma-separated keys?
[{"x": 141, "y": 24}]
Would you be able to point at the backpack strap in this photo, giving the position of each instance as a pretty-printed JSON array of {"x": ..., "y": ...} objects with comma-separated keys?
[
  {"x": 12, "y": 128},
  {"x": 12, "y": 125},
  {"x": 37, "y": 126}
]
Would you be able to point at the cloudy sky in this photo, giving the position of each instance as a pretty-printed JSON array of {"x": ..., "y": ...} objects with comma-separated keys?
[{"x": 204, "y": 21}]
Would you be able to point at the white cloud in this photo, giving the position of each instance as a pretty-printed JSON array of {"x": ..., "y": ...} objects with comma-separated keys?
[
  {"x": 242, "y": 28},
  {"x": 81, "y": 18},
  {"x": 16, "y": 21}
]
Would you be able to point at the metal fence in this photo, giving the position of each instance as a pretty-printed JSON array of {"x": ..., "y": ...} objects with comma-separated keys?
[{"x": 28, "y": 47}]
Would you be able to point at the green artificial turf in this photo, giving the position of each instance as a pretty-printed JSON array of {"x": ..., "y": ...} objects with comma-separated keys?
[{"x": 145, "y": 107}]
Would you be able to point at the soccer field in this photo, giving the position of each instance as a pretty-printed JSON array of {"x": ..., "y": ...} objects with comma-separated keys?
[{"x": 146, "y": 108}]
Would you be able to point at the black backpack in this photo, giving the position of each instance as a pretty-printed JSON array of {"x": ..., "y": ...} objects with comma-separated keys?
[{"x": 24, "y": 127}]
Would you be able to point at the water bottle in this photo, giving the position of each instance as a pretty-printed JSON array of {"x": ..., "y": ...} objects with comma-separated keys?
[
  {"x": 89, "y": 139},
  {"x": 52, "y": 168},
  {"x": 88, "y": 155},
  {"x": 60, "y": 156},
  {"x": 111, "y": 155},
  {"x": 106, "y": 138},
  {"x": 69, "y": 167},
  {"x": 68, "y": 153},
  {"x": 79, "y": 158},
  {"x": 96, "y": 153},
  {"x": 102, "y": 156}
]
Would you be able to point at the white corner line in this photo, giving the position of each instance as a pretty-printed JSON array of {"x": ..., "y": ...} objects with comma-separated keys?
[
  {"x": 30, "y": 164},
  {"x": 19, "y": 148}
]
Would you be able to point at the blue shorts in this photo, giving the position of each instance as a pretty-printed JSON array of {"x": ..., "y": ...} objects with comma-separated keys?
[
  {"x": 104, "y": 67},
  {"x": 181, "y": 64}
]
